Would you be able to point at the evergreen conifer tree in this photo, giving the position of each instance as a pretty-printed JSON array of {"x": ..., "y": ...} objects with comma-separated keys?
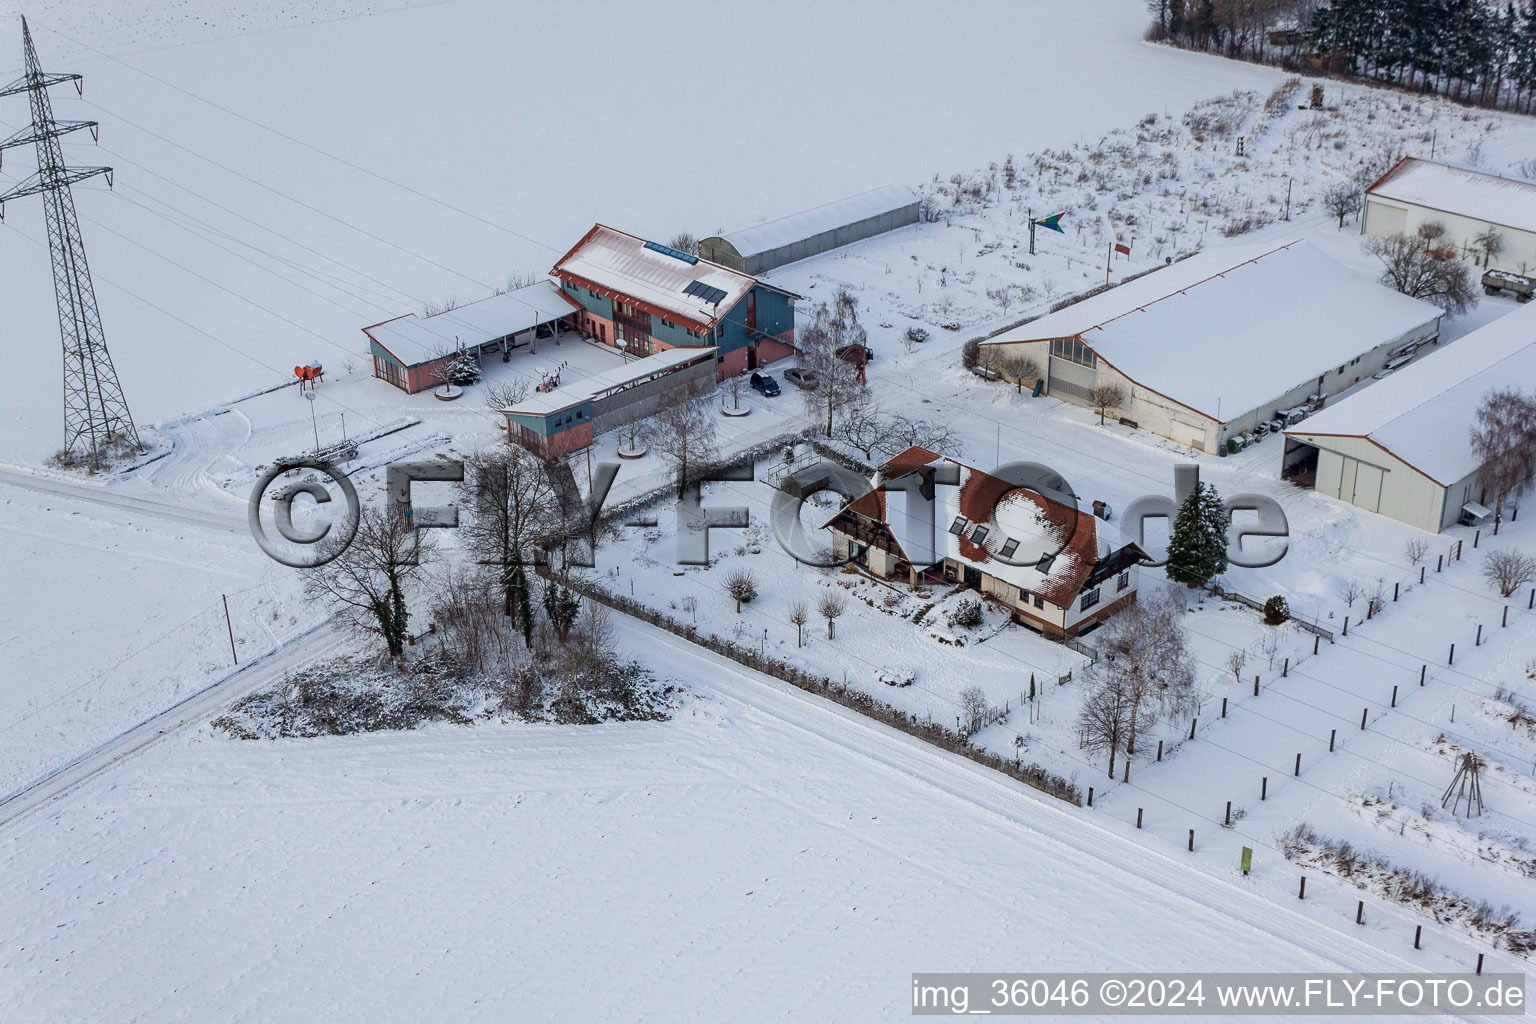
[{"x": 1197, "y": 549}]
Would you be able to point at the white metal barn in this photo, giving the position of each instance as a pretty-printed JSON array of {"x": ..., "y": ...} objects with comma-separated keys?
[
  {"x": 1401, "y": 447},
  {"x": 1214, "y": 345},
  {"x": 1466, "y": 200},
  {"x": 762, "y": 247}
]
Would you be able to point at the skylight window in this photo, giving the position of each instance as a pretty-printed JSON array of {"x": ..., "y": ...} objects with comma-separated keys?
[
  {"x": 979, "y": 535},
  {"x": 677, "y": 254},
  {"x": 1009, "y": 547},
  {"x": 958, "y": 526}
]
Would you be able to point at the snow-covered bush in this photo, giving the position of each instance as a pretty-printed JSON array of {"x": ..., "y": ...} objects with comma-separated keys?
[
  {"x": 1276, "y": 610},
  {"x": 966, "y": 613}
]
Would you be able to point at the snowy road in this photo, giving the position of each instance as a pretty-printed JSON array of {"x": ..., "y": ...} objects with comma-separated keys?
[
  {"x": 764, "y": 855},
  {"x": 163, "y": 508},
  {"x": 203, "y": 704}
]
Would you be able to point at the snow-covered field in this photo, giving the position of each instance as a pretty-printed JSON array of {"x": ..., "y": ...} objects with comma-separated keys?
[
  {"x": 761, "y": 856},
  {"x": 289, "y": 174}
]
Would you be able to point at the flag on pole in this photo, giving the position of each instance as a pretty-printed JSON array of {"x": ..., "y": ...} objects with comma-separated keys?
[
  {"x": 1052, "y": 223},
  {"x": 1122, "y": 249}
]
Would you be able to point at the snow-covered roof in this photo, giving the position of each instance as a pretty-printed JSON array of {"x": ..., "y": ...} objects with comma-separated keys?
[
  {"x": 795, "y": 227},
  {"x": 1228, "y": 329},
  {"x": 1451, "y": 188},
  {"x": 414, "y": 340},
  {"x": 1040, "y": 525},
  {"x": 663, "y": 281},
  {"x": 585, "y": 389},
  {"x": 1422, "y": 412}
]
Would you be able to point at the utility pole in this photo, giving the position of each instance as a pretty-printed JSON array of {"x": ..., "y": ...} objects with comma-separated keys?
[{"x": 95, "y": 412}]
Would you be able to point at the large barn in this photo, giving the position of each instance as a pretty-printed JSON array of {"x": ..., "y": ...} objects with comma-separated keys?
[
  {"x": 644, "y": 297},
  {"x": 1467, "y": 201},
  {"x": 1210, "y": 347},
  {"x": 797, "y": 236},
  {"x": 1400, "y": 447},
  {"x": 982, "y": 527}
]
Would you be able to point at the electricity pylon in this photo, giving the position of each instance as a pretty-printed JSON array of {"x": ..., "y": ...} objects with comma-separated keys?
[{"x": 95, "y": 412}]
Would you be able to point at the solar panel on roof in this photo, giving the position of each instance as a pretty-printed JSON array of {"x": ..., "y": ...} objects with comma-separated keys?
[
  {"x": 667, "y": 250},
  {"x": 706, "y": 292}
]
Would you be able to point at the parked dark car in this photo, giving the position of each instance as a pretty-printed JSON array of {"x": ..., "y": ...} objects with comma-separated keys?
[
  {"x": 805, "y": 380},
  {"x": 764, "y": 383}
]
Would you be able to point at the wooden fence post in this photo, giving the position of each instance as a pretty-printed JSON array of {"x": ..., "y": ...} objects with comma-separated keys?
[
  {"x": 1264, "y": 788},
  {"x": 1191, "y": 840},
  {"x": 1333, "y": 734},
  {"x": 1303, "y": 893},
  {"x": 1138, "y": 817},
  {"x": 1394, "y": 696},
  {"x": 1418, "y": 930},
  {"x": 1360, "y": 912},
  {"x": 1298, "y": 765},
  {"x": 1363, "y": 712}
]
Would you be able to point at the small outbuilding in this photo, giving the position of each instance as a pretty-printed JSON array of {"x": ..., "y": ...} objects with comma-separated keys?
[
  {"x": 565, "y": 419},
  {"x": 1225, "y": 342},
  {"x": 411, "y": 352},
  {"x": 762, "y": 247},
  {"x": 1469, "y": 202},
  {"x": 1401, "y": 447}
]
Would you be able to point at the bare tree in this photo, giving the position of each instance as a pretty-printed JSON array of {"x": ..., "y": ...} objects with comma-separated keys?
[
  {"x": 513, "y": 510},
  {"x": 371, "y": 576},
  {"x": 1377, "y": 599},
  {"x": 1504, "y": 444},
  {"x": 1010, "y": 295},
  {"x": 1235, "y": 662},
  {"x": 827, "y": 345},
  {"x": 733, "y": 387},
  {"x": 1490, "y": 243},
  {"x": 1018, "y": 365},
  {"x": 832, "y": 606},
  {"x": 1145, "y": 654},
  {"x": 683, "y": 241},
  {"x": 1342, "y": 199},
  {"x": 862, "y": 427},
  {"x": 1353, "y": 590},
  {"x": 684, "y": 433},
  {"x": 974, "y": 707},
  {"x": 799, "y": 614},
  {"x": 1415, "y": 267},
  {"x": 506, "y": 393},
  {"x": 1105, "y": 717},
  {"x": 1507, "y": 570},
  {"x": 903, "y": 432},
  {"x": 1106, "y": 398},
  {"x": 1414, "y": 549},
  {"x": 691, "y": 606},
  {"x": 741, "y": 585}
]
